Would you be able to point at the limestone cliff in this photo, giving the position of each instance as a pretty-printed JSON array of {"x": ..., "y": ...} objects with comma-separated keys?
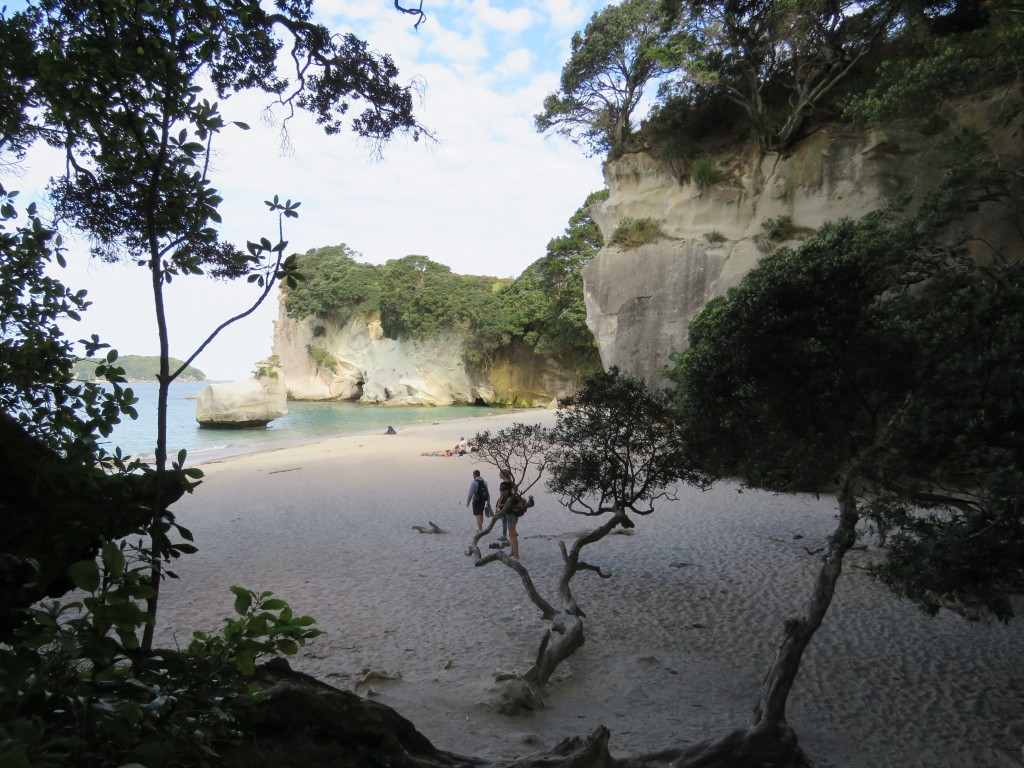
[
  {"x": 640, "y": 302},
  {"x": 353, "y": 360}
]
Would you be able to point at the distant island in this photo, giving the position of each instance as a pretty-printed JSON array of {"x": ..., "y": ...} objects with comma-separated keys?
[{"x": 137, "y": 368}]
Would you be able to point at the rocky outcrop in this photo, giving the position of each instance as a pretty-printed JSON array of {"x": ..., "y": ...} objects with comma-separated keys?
[
  {"x": 243, "y": 404},
  {"x": 640, "y": 302},
  {"x": 324, "y": 359}
]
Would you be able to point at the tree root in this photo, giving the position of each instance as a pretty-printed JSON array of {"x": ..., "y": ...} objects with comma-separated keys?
[
  {"x": 760, "y": 746},
  {"x": 301, "y": 722}
]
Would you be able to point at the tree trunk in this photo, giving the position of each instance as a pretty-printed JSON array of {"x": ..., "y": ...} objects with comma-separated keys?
[
  {"x": 560, "y": 642},
  {"x": 770, "y": 741},
  {"x": 771, "y": 705}
]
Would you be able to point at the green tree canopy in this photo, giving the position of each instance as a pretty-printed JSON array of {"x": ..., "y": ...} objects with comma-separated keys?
[
  {"x": 416, "y": 297},
  {"x": 333, "y": 284},
  {"x": 944, "y": 50},
  {"x": 621, "y": 50},
  {"x": 874, "y": 359},
  {"x": 778, "y": 62},
  {"x": 771, "y": 70}
]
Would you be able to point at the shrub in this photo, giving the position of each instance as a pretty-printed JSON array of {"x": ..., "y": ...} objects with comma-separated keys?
[
  {"x": 778, "y": 229},
  {"x": 676, "y": 152},
  {"x": 323, "y": 358},
  {"x": 77, "y": 690},
  {"x": 714, "y": 236},
  {"x": 632, "y": 233},
  {"x": 705, "y": 173}
]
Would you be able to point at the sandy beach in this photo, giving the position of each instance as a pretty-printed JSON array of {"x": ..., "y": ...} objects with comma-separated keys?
[{"x": 677, "y": 641}]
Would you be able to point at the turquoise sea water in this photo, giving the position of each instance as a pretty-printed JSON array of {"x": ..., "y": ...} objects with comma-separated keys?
[{"x": 304, "y": 422}]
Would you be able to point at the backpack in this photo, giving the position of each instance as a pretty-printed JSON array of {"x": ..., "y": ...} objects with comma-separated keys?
[
  {"x": 519, "y": 505},
  {"x": 482, "y": 494}
]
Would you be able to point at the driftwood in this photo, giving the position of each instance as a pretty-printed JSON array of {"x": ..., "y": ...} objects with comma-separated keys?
[
  {"x": 369, "y": 675},
  {"x": 564, "y": 635},
  {"x": 434, "y": 528}
]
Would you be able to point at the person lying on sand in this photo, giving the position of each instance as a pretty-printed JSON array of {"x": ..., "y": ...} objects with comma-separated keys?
[{"x": 442, "y": 452}]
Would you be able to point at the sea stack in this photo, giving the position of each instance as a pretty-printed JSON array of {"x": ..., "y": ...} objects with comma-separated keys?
[{"x": 246, "y": 404}]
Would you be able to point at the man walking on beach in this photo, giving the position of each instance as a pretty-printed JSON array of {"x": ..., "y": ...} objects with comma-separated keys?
[{"x": 479, "y": 496}]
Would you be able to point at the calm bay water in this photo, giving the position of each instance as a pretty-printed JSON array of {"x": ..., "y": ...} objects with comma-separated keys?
[{"x": 304, "y": 421}]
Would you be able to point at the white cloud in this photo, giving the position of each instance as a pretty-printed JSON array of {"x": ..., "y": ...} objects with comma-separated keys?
[
  {"x": 568, "y": 16},
  {"x": 515, "y": 63},
  {"x": 517, "y": 20}
]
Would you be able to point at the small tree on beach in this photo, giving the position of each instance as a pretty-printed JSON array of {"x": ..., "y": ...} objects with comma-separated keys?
[{"x": 614, "y": 451}]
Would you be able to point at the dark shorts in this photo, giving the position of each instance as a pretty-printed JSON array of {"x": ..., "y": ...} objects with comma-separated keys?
[{"x": 478, "y": 507}]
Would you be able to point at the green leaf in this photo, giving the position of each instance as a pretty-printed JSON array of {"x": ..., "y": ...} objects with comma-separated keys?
[
  {"x": 243, "y": 600},
  {"x": 113, "y": 559},
  {"x": 85, "y": 574}
]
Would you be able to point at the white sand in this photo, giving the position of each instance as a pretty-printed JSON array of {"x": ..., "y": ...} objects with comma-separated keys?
[{"x": 677, "y": 642}]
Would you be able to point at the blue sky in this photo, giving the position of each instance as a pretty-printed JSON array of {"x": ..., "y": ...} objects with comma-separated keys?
[{"x": 485, "y": 200}]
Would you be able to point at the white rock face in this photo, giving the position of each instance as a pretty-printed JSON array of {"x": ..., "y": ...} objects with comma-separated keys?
[
  {"x": 248, "y": 403},
  {"x": 368, "y": 366},
  {"x": 358, "y": 362},
  {"x": 640, "y": 302}
]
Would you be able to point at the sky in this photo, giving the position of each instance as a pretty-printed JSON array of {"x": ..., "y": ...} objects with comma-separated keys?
[{"x": 484, "y": 200}]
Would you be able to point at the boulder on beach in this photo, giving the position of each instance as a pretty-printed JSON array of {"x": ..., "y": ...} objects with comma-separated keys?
[{"x": 249, "y": 403}]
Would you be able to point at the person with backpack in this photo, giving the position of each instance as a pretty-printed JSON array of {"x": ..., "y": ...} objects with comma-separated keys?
[
  {"x": 480, "y": 497},
  {"x": 514, "y": 506}
]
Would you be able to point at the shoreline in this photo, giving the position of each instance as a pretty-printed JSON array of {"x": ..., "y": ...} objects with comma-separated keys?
[
  {"x": 198, "y": 456},
  {"x": 676, "y": 642},
  {"x": 220, "y": 455}
]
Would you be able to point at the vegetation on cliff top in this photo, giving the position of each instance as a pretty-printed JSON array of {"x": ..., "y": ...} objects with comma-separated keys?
[
  {"x": 732, "y": 70},
  {"x": 416, "y": 297}
]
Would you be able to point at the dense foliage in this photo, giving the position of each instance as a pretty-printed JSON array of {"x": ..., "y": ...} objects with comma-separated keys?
[
  {"x": 771, "y": 71},
  {"x": 139, "y": 368},
  {"x": 881, "y": 358},
  {"x": 974, "y": 47},
  {"x": 37, "y": 387},
  {"x": 616, "y": 448},
  {"x": 415, "y": 297}
]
